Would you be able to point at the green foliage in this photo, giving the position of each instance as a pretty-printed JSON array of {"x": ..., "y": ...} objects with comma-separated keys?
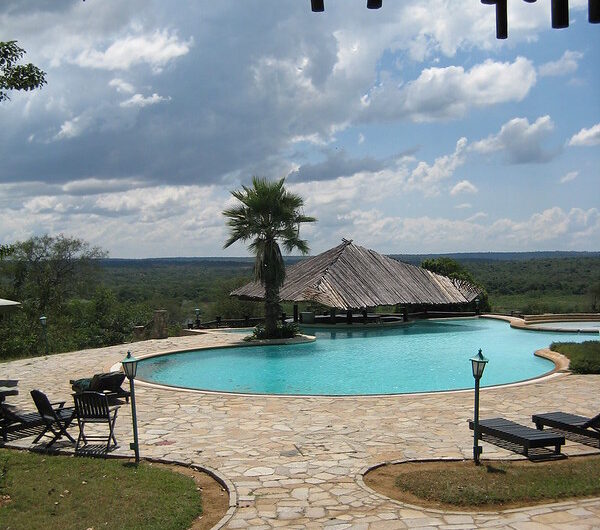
[
  {"x": 227, "y": 307},
  {"x": 55, "y": 276},
  {"x": 17, "y": 76},
  {"x": 268, "y": 214},
  {"x": 6, "y": 250},
  {"x": 584, "y": 357},
  {"x": 553, "y": 285},
  {"x": 58, "y": 492},
  {"x": 282, "y": 331},
  {"x": 447, "y": 267},
  {"x": 44, "y": 271}
]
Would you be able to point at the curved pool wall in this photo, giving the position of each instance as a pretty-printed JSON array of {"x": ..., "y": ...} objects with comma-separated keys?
[{"x": 427, "y": 356}]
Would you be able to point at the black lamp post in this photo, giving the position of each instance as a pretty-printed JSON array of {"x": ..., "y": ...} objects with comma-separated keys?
[
  {"x": 478, "y": 365},
  {"x": 130, "y": 369},
  {"x": 44, "y": 322},
  {"x": 197, "y": 318}
]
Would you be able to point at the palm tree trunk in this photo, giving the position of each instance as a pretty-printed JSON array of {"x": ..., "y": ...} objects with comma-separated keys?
[{"x": 271, "y": 310}]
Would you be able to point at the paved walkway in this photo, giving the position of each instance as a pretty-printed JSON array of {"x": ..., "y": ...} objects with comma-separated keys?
[{"x": 297, "y": 462}]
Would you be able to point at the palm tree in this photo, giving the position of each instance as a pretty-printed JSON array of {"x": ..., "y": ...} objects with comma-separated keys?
[{"x": 268, "y": 213}]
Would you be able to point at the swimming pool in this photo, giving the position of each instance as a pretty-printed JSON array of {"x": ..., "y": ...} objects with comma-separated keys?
[{"x": 425, "y": 356}]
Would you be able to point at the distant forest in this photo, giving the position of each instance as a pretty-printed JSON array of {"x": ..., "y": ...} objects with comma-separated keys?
[{"x": 531, "y": 282}]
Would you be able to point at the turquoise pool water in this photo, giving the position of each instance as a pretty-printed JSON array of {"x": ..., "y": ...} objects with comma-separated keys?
[{"x": 425, "y": 356}]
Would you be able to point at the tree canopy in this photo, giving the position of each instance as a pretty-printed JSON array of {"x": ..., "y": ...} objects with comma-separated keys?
[{"x": 17, "y": 76}]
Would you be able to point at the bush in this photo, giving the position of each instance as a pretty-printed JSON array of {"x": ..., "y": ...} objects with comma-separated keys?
[
  {"x": 284, "y": 331},
  {"x": 584, "y": 357}
]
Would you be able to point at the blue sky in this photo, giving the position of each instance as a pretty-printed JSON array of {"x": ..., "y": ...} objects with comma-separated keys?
[{"x": 409, "y": 129}]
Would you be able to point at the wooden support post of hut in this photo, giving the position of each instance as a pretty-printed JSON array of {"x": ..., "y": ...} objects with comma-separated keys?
[
  {"x": 332, "y": 315},
  {"x": 365, "y": 315},
  {"x": 295, "y": 312},
  {"x": 349, "y": 316}
]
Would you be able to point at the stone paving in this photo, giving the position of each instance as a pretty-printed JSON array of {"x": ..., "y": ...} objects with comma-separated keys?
[{"x": 297, "y": 462}]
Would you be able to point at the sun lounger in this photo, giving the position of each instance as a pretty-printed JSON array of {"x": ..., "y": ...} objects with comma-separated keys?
[
  {"x": 498, "y": 430},
  {"x": 13, "y": 420},
  {"x": 563, "y": 421},
  {"x": 106, "y": 383}
]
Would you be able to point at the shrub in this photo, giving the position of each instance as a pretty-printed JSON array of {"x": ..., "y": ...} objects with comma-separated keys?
[
  {"x": 584, "y": 357},
  {"x": 284, "y": 331}
]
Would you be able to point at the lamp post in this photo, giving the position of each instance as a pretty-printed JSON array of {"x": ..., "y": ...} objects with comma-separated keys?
[
  {"x": 197, "y": 318},
  {"x": 478, "y": 365},
  {"x": 44, "y": 322},
  {"x": 130, "y": 369}
]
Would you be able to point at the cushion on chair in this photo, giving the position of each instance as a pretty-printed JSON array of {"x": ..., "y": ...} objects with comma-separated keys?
[{"x": 81, "y": 385}]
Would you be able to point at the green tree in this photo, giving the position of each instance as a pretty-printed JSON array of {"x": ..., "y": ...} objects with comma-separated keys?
[
  {"x": 47, "y": 270},
  {"x": 268, "y": 214},
  {"x": 17, "y": 76}
]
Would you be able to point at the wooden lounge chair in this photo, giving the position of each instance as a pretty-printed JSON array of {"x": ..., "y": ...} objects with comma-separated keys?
[
  {"x": 107, "y": 383},
  {"x": 92, "y": 407},
  {"x": 56, "y": 417},
  {"x": 13, "y": 420},
  {"x": 563, "y": 421},
  {"x": 516, "y": 437}
]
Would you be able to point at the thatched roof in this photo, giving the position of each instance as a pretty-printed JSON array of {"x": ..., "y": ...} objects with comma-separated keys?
[{"x": 353, "y": 277}]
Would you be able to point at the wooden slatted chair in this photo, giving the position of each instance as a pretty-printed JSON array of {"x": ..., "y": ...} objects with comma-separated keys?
[
  {"x": 56, "y": 417},
  {"x": 92, "y": 407}
]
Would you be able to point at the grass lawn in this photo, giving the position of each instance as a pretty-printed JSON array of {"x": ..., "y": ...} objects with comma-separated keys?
[
  {"x": 584, "y": 357},
  {"x": 63, "y": 492},
  {"x": 492, "y": 485}
]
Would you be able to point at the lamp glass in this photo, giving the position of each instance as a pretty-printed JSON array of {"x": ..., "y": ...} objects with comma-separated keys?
[
  {"x": 197, "y": 312},
  {"x": 478, "y": 365},
  {"x": 43, "y": 320},
  {"x": 130, "y": 366}
]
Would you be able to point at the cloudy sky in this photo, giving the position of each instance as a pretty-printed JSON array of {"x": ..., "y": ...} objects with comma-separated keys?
[{"x": 409, "y": 129}]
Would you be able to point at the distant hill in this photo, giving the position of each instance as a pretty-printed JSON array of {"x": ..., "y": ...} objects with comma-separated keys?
[{"x": 216, "y": 261}]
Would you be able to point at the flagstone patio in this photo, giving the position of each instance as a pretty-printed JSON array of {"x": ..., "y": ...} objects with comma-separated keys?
[{"x": 297, "y": 461}]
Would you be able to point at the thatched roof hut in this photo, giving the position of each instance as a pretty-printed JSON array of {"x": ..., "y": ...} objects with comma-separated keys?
[{"x": 353, "y": 277}]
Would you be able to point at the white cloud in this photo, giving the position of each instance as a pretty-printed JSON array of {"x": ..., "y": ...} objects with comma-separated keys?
[
  {"x": 361, "y": 138},
  {"x": 571, "y": 175},
  {"x": 464, "y": 186},
  {"x": 463, "y": 206},
  {"x": 72, "y": 128},
  {"x": 426, "y": 177},
  {"x": 445, "y": 93},
  {"x": 586, "y": 137},
  {"x": 476, "y": 217},
  {"x": 121, "y": 86},
  {"x": 92, "y": 186},
  {"x": 138, "y": 100},
  {"x": 567, "y": 64},
  {"x": 156, "y": 50},
  {"x": 521, "y": 141}
]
